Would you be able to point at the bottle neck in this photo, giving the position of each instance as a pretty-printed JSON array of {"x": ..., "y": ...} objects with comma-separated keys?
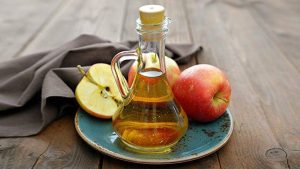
[
  {"x": 153, "y": 50},
  {"x": 152, "y": 45}
]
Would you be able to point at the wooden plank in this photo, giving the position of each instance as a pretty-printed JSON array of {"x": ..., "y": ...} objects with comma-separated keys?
[
  {"x": 15, "y": 154},
  {"x": 281, "y": 24},
  {"x": 264, "y": 88},
  {"x": 277, "y": 84},
  {"x": 58, "y": 146},
  {"x": 207, "y": 163},
  {"x": 66, "y": 149},
  {"x": 21, "y": 21},
  {"x": 110, "y": 26},
  {"x": 99, "y": 17},
  {"x": 179, "y": 33},
  {"x": 277, "y": 80}
]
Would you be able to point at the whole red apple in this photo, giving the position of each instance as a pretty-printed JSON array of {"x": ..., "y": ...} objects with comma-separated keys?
[
  {"x": 172, "y": 69},
  {"x": 203, "y": 91}
]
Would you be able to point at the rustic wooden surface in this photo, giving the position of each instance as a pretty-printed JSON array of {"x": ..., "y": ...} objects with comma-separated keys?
[{"x": 255, "y": 42}]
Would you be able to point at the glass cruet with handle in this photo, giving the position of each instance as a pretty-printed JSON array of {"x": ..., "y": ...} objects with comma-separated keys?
[{"x": 150, "y": 120}]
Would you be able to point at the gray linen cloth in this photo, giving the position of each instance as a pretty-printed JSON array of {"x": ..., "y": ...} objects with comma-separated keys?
[{"x": 37, "y": 89}]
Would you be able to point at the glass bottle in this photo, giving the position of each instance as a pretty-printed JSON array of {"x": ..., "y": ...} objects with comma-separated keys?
[{"x": 150, "y": 121}]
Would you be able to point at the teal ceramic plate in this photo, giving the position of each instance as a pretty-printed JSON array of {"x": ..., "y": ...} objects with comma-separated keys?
[{"x": 199, "y": 141}]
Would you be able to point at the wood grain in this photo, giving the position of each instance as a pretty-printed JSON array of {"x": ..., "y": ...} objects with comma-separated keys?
[
  {"x": 20, "y": 153},
  {"x": 262, "y": 102},
  {"x": 58, "y": 146},
  {"x": 100, "y": 17},
  {"x": 207, "y": 163},
  {"x": 21, "y": 21},
  {"x": 277, "y": 92},
  {"x": 66, "y": 149},
  {"x": 110, "y": 25},
  {"x": 280, "y": 22}
]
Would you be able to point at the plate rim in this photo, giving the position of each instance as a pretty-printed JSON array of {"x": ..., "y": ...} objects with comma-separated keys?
[{"x": 155, "y": 161}]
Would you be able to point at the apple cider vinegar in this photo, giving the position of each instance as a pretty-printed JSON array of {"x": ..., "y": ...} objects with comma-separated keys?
[{"x": 152, "y": 121}]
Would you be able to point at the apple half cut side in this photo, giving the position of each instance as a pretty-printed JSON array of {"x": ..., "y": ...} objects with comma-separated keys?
[{"x": 97, "y": 93}]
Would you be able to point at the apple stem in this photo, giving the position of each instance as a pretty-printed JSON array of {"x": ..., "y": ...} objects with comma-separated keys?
[
  {"x": 224, "y": 100},
  {"x": 154, "y": 58},
  {"x": 104, "y": 92}
]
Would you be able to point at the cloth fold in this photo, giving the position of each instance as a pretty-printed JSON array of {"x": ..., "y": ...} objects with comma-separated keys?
[{"x": 37, "y": 89}]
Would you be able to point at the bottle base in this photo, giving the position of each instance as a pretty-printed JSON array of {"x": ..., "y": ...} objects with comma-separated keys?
[{"x": 148, "y": 150}]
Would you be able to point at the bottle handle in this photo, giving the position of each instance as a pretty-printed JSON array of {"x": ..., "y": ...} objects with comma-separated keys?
[{"x": 116, "y": 70}]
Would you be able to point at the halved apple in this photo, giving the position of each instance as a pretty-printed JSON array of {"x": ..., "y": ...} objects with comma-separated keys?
[{"x": 97, "y": 93}]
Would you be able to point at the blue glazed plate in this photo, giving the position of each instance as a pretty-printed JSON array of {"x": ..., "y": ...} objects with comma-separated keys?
[{"x": 199, "y": 141}]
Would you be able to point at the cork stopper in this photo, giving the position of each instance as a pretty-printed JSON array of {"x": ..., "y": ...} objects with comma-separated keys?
[{"x": 152, "y": 14}]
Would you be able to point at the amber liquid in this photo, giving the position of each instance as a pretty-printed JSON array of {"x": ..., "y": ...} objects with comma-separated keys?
[{"x": 152, "y": 121}]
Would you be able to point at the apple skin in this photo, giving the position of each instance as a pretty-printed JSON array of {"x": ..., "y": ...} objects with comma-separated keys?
[
  {"x": 172, "y": 71},
  {"x": 203, "y": 92}
]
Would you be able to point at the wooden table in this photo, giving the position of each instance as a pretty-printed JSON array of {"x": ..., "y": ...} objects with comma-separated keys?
[{"x": 256, "y": 42}]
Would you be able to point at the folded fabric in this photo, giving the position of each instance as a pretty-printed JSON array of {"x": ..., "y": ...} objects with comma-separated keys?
[{"x": 37, "y": 89}]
